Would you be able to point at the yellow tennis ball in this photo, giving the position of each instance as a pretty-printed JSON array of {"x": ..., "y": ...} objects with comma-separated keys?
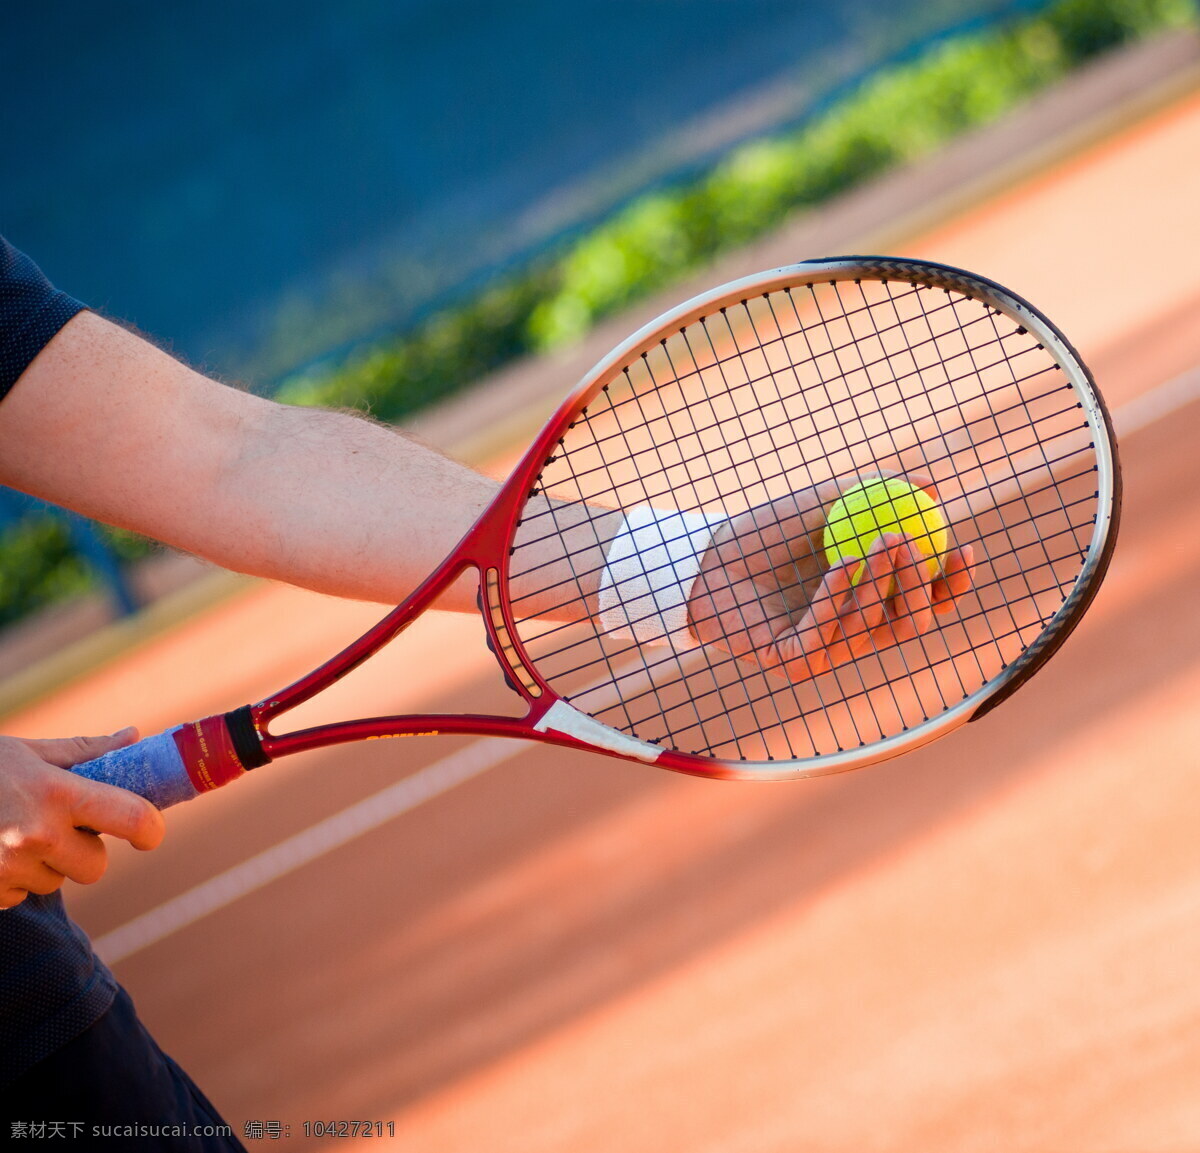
[{"x": 862, "y": 514}]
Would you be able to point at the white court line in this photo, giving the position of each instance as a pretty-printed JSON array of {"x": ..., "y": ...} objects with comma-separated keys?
[
  {"x": 1164, "y": 399},
  {"x": 305, "y": 846},
  {"x": 441, "y": 776}
]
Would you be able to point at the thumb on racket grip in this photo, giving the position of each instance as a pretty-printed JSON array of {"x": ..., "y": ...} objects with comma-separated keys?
[{"x": 153, "y": 768}]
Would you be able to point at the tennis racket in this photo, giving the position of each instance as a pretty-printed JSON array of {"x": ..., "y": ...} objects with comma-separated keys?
[{"x": 704, "y": 454}]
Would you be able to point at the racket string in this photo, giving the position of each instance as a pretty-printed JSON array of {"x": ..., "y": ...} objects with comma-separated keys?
[
  {"x": 580, "y": 573},
  {"x": 842, "y": 372},
  {"x": 633, "y": 458},
  {"x": 981, "y": 588},
  {"x": 996, "y": 553},
  {"x": 779, "y": 721},
  {"x": 778, "y": 394}
]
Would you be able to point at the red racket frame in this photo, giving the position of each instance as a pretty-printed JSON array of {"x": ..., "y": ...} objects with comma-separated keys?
[{"x": 221, "y": 748}]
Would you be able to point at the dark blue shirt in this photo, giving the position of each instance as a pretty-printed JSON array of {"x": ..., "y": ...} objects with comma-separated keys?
[
  {"x": 52, "y": 986},
  {"x": 32, "y": 311}
]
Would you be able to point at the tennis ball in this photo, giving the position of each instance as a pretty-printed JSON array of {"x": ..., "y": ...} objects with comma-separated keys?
[{"x": 865, "y": 512}]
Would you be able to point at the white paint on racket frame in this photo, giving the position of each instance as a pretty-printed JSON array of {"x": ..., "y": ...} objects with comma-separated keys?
[{"x": 563, "y": 718}]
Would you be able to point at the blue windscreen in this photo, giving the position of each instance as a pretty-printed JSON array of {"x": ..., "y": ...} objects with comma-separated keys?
[{"x": 256, "y": 183}]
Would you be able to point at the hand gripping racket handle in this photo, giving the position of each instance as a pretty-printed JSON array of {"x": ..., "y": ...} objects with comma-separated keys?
[{"x": 183, "y": 762}]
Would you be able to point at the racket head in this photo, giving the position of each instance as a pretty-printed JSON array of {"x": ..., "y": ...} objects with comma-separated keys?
[{"x": 821, "y": 370}]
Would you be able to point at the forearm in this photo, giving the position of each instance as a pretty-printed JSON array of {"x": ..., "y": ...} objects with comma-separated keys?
[
  {"x": 345, "y": 506},
  {"x": 335, "y": 503},
  {"x": 105, "y": 423}
]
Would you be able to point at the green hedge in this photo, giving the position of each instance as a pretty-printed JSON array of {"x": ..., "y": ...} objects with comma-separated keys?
[
  {"x": 895, "y": 115},
  {"x": 39, "y": 566}
]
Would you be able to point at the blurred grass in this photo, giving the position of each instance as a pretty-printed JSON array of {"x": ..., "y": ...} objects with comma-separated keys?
[
  {"x": 39, "y": 564},
  {"x": 894, "y": 116}
]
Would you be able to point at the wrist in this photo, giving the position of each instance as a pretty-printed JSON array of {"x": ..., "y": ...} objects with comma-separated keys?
[{"x": 651, "y": 566}]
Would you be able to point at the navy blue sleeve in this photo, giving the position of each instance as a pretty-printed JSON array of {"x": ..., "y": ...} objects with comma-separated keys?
[{"x": 32, "y": 310}]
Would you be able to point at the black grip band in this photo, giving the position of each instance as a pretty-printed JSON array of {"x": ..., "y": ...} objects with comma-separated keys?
[{"x": 246, "y": 744}]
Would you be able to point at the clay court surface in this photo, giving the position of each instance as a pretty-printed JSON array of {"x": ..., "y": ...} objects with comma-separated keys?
[{"x": 991, "y": 944}]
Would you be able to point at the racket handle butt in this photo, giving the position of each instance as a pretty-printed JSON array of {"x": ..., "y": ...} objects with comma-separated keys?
[{"x": 153, "y": 768}]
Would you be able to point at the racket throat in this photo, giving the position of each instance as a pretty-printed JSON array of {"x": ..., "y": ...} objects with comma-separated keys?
[{"x": 499, "y": 635}]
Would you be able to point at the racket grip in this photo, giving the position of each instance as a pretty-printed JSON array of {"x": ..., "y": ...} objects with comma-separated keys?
[
  {"x": 183, "y": 762},
  {"x": 153, "y": 768}
]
